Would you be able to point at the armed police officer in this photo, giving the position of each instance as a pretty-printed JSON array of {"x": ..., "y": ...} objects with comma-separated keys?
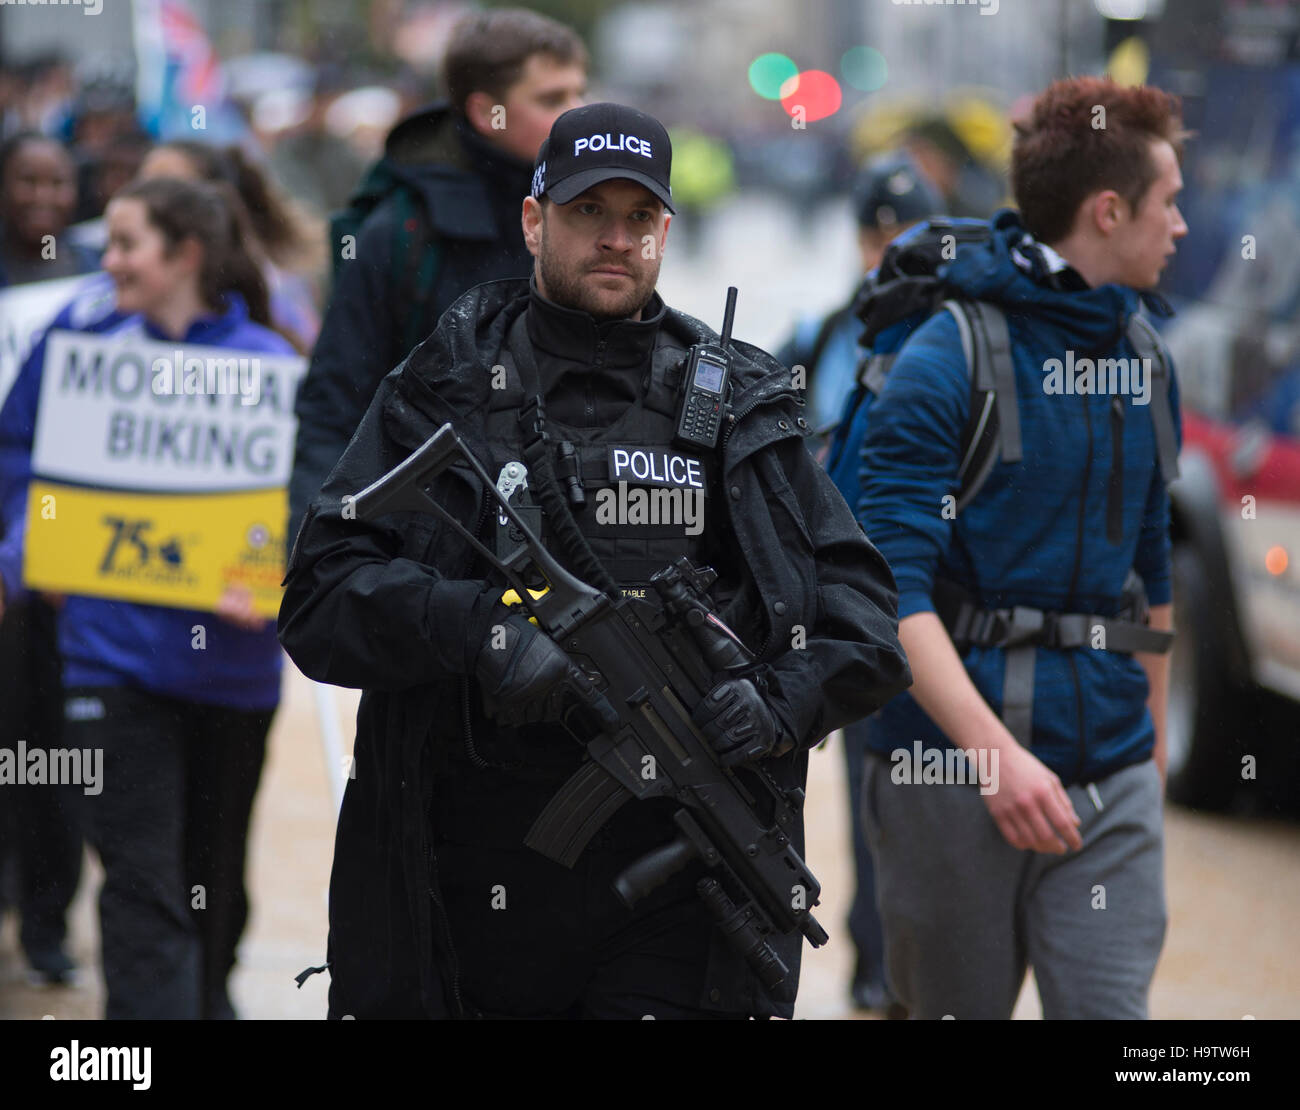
[{"x": 436, "y": 906}]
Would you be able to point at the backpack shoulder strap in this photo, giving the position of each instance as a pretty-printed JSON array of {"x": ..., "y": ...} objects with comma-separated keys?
[
  {"x": 993, "y": 422},
  {"x": 416, "y": 254},
  {"x": 1147, "y": 343},
  {"x": 376, "y": 183},
  {"x": 995, "y": 370},
  {"x": 872, "y": 371}
]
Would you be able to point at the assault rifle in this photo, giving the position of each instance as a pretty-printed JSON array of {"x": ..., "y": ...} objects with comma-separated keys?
[{"x": 649, "y": 662}]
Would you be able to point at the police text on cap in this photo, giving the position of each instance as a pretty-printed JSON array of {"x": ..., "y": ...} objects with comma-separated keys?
[{"x": 630, "y": 143}]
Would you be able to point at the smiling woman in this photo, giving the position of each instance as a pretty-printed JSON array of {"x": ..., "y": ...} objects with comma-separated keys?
[
  {"x": 38, "y": 195},
  {"x": 176, "y": 248}
]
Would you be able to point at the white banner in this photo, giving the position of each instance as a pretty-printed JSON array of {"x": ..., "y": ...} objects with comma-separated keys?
[
  {"x": 26, "y": 311},
  {"x": 132, "y": 413}
]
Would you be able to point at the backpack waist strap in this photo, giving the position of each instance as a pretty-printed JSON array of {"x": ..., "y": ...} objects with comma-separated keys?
[
  {"x": 1021, "y": 630},
  {"x": 1022, "y": 625}
]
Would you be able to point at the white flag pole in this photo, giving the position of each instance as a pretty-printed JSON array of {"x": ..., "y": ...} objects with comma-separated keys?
[{"x": 331, "y": 738}]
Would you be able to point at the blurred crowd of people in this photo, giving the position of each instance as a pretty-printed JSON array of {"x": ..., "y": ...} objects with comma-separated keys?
[
  {"x": 198, "y": 247},
  {"x": 181, "y": 240}
]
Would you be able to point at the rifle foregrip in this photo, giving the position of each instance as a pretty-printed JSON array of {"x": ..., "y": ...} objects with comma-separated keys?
[{"x": 653, "y": 869}]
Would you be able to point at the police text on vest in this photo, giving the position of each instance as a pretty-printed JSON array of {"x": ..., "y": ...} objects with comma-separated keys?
[{"x": 648, "y": 466}]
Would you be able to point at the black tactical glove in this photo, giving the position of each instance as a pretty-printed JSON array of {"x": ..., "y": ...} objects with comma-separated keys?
[
  {"x": 739, "y": 724},
  {"x": 522, "y": 672}
]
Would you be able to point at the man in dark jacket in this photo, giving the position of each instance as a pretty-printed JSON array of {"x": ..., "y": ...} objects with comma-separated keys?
[
  {"x": 1043, "y": 843},
  {"x": 464, "y": 165},
  {"x": 436, "y": 906}
]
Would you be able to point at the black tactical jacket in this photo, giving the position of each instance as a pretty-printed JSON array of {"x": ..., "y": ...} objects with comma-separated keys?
[{"x": 383, "y": 606}]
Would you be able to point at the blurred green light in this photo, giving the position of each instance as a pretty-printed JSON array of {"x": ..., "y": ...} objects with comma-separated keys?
[
  {"x": 768, "y": 72},
  {"x": 864, "y": 68}
]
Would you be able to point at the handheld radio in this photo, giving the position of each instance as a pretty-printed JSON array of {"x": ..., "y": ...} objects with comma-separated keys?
[{"x": 705, "y": 386}]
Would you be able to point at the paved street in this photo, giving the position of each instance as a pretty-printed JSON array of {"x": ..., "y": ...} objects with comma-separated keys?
[{"x": 1233, "y": 885}]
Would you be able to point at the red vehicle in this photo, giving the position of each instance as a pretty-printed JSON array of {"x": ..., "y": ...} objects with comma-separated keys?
[{"x": 1237, "y": 604}]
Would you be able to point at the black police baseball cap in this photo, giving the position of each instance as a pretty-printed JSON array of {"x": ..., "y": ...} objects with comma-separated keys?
[
  {"x": 601, "y": 142},
  {"x": 892, "y": 191}
]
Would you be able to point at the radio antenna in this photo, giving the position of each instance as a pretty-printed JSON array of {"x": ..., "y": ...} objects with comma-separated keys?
[{"x": 728, "y": 317}]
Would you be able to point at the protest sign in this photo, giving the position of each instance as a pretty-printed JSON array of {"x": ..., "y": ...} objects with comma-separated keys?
[{"x": 159, "y": 471}]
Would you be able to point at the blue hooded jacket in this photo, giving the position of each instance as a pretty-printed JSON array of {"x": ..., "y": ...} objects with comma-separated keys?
[
  {"x": 1035, "y": 534},
  {"x": 121, "y": 643}
]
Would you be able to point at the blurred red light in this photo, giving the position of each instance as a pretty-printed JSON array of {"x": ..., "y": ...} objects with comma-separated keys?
[{"x": 816, "y": 92}]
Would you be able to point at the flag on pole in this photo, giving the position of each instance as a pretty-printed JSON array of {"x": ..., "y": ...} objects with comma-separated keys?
[{"x": 180, "y": 87}]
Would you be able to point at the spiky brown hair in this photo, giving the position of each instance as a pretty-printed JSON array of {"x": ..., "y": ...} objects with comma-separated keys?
[{"x": 1084, "y": 134}]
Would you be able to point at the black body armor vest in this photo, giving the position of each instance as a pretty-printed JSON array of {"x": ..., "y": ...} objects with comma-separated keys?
[{"x": 643, "y": 501}]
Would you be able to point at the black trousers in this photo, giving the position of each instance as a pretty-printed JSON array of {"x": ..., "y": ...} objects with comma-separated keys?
[
  {"x": 864, "y": 919},
  {"x": 540, "y": 941},
  {"x": 40, "y": 825},
  {"x": 170, "y": 827}
]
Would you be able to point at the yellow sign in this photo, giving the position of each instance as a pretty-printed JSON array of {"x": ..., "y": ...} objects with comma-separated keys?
[
  {"x": 159, "y": 471},
  {"x": 178, "y": 550}
]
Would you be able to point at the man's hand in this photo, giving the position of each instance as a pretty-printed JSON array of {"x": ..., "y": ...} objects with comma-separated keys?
[
  {"x": 523, "y": 673},
  {"x": 738, "y": 722},
  {"x": 1030, "y": 807},
  {"x": 236, "y": 607}
]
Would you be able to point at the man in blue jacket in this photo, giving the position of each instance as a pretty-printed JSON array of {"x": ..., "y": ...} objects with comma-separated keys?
[{"x": 1043, "y": 843}]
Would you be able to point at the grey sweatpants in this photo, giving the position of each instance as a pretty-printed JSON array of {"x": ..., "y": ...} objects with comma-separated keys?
[{"x": 963, "y": 911}]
